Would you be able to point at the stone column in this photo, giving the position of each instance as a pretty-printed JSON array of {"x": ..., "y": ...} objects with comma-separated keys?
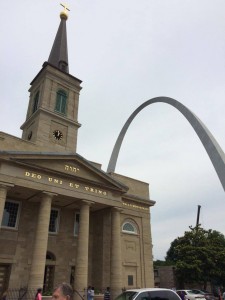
[
  {"x": 36, "y": 277},
  {"x": 116, "y": 257},
  {"x": 81, "y": 268},
  {"x": 3, "y": 193}
]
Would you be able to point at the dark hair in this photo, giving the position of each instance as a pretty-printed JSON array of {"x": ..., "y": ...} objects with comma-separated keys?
[
  {"x": 65, "y": 288},
  {"x": 39, "y": 290}
]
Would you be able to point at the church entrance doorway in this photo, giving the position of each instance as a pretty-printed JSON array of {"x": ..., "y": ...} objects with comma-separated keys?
[
  {"x": 49, "y": 272},
  {"x": 4, "y": 277}
]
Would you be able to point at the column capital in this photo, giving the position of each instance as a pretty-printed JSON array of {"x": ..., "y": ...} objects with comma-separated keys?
[
  {"x": 116, "y": 209},
  {"x": 6, "y": 185},
  {"x": 49, "y": 194},
  {"x": 88, "y": 202}
]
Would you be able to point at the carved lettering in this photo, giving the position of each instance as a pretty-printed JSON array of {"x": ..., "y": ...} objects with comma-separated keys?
[
  {"x": 74, "y": 185},
  {"x": 58, "y": 181},
  {"x": 71, "y": 169},
  {"x": 32, "y": 175},
  {"x": 96, "y": 191},
  {"x": 135, "y": 206},
  {"x": 55, "y": 180}
]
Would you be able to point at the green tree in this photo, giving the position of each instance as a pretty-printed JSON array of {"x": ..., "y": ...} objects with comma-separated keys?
[
  {"x": 199, "y": 257},
  {"x": 160, "y": 263}
]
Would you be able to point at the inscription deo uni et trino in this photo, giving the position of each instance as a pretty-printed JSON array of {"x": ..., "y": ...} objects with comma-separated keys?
[{"x": 61, "y": 182}]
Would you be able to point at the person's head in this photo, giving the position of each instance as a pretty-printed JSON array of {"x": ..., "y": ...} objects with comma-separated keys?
[
  {"x": 39, "y": 290},
  {"x": 63, "y": 291}
]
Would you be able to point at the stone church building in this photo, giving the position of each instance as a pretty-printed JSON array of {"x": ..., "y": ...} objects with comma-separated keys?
[{"x": 62, "y": 217}]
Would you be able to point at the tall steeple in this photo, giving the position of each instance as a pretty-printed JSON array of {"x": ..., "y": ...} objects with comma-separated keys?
[
  {"x": 51, "y": 121},
  {"x": 59, "y": 53}
]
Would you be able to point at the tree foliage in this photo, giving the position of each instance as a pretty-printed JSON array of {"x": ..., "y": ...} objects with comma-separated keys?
[
  {"x": 161, "y": 263},
  {"x": 199, "y": 257}
]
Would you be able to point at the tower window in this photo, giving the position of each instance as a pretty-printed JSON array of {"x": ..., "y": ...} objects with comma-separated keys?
[
  {"x": 35, "y": 103},
  {"x": 61, "y": 101}
]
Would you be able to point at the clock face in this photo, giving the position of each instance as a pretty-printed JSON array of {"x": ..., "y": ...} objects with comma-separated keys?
[{"x": 57, "y": 134}]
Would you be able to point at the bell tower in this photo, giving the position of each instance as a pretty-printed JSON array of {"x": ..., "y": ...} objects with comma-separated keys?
[{"x": 51, "y": 120}]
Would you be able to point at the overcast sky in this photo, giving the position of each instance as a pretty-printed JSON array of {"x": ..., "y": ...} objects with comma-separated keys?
[{"x": 127, "y": 52}]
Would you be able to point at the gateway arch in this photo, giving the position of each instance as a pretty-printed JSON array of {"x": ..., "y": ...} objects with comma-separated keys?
[{"x": 213, "y": 149}]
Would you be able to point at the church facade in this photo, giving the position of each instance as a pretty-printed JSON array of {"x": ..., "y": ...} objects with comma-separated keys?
[{"x": 62, "y": 217}]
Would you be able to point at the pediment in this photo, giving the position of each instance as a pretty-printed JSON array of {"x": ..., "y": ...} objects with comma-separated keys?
[{"x": 71, "y": 167}]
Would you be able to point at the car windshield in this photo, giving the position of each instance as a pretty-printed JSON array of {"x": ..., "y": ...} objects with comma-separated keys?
[
  {"x": 191, "y": 292},
  {"x": 127, "y": 295},
  {"x": 202, "y": 292},
  {"x": 197, "y": 292}
]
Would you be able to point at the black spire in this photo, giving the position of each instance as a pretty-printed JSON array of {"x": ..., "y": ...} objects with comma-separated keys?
[{"x": 59, "y": 53}]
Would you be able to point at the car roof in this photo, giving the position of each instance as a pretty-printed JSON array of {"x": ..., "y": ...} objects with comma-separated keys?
[
  {"x": 184, "y": 290},
  {"x": 148, "y": 289}
]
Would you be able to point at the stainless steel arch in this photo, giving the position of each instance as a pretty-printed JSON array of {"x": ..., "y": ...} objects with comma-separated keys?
[{"x": 213, "y": 149}]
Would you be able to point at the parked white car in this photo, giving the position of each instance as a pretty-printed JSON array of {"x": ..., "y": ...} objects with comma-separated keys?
[
  {"x": 148, "y": 294},
  {"x": 190, "y": 295},
  {"x": 206, "y": 294}
]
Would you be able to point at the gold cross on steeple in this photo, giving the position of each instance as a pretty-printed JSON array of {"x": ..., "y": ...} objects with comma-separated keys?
[
  {"x": 64, "y": 13},
  {"x": 65, "y": 7}
]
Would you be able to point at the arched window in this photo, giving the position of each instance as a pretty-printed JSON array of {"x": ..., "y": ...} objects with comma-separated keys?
[
  {"x": 129, "y": 227},
  {"x": 36, "y": 102},
  {"x": 61, "y": 101}
]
